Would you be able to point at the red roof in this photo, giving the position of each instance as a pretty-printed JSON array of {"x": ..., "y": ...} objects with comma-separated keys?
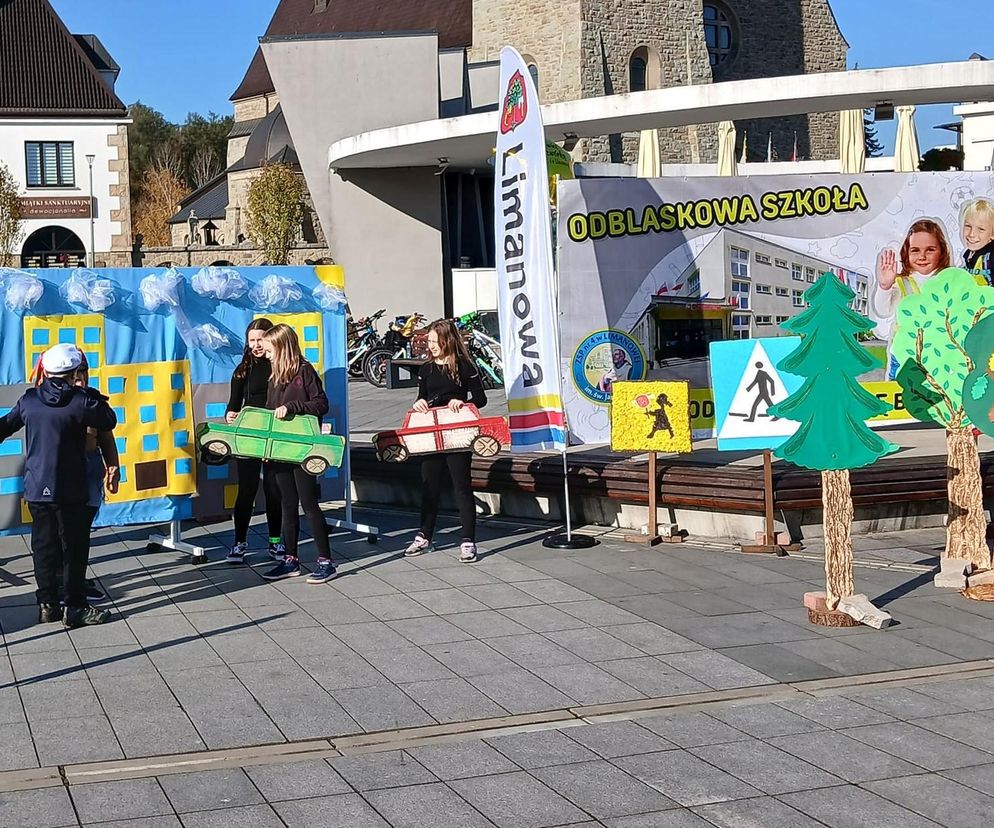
[
  {"x": 452, "y": 19},
  {"x": 44, "y": 70}
]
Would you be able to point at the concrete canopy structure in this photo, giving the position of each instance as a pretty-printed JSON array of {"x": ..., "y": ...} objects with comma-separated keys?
[{"x": 468, "y": 140}]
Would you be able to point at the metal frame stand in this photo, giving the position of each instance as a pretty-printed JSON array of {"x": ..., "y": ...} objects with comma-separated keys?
[
  {"x": 198, "y": 555},
  {"x": 371, "y": 532},
  {"x": 568, "y": 540}
]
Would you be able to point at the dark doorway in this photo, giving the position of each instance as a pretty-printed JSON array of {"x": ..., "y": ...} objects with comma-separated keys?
[
  {"x": 53, "y": 247},
  {"x": 687, "y": 338}
]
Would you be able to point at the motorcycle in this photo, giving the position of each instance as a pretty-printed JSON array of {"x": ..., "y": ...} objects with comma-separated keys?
[
  {"x": 396, "y": 345},
  {"x": 362, "y": 338},
  {"x": 484, "y": 349}
]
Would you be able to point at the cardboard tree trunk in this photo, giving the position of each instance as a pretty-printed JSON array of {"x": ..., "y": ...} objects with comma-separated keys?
[
  {"x": 937, "y": 329},
  {"x": 832, "y": 408}
]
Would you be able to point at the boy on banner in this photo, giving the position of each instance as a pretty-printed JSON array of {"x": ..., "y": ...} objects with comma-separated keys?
[{"x": 56, "y": 416}]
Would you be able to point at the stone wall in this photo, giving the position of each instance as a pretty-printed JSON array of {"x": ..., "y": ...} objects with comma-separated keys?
[
  {"x": 240, "y": 256},
  {"x": 546, "y": 33},
  {"x": 249, "y": 109},
  {"x": 672, "y": 33},
  {"x": 119, "y": 139}
]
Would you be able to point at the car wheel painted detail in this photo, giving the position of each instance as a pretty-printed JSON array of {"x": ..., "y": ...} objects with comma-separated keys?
[{"x": 486, "y": 446}]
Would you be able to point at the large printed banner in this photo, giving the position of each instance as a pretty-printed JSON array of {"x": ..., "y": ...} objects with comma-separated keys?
[
  {"x": 162, "y": 345},
  {"x": 652, "y": 270},
  {"x": 525, "y": 278}
]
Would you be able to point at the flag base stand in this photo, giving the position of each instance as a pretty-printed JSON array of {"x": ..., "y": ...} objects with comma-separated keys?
[
  {"x": 567, "y": 540},
  {"x": 767, "y": 543}
]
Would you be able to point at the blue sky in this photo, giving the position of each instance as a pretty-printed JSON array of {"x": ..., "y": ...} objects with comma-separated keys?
[{"x": 193, "y": 57}]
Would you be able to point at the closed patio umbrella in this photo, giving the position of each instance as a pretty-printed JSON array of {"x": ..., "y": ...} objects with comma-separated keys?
[
  {"x": 727, "y": 164},
  {"x": 907, "y": 155},
  {"x": 852, "y": 141},
  {"x": 649, "y": 164}
]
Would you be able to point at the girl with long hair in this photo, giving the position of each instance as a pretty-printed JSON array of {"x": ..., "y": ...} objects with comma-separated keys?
[
  {"x": 295, "y": 388},
  {"x": 924, "y": 252},
  {"x": 249, "y": 387},
  {"x": 450, "y": 379}
]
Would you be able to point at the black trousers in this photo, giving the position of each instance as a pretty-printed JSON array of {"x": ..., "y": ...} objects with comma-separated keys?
[
  {"x": 249, "y": 470},
  {"x": 298, "y": 488},
  {"x": 60, "y": 541},
  {"x": 432, "y": 468}
]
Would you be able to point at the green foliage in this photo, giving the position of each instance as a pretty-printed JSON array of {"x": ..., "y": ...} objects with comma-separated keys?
[
  {"x": 275, "y": 211},
  {"x": 930, "y": 344},
  {"x": 941, "y": 159},
  {"x": 978, "y": 390},
  {"x": 831, "y": 406},
  {"x": 11, "y": 232},
  {"x": 874, "y": 149},
  {"x": 149, "y": 133}
]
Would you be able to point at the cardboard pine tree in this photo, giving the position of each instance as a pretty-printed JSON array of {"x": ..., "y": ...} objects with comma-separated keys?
[
  {"x": 832, "y": 408},
  {"x": 930, "y": 346}
]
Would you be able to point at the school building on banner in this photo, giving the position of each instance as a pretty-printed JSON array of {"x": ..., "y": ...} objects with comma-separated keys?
[{"x": 739, "y": 286}]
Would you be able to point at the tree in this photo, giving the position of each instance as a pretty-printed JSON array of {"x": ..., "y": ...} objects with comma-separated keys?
[
  {"x": 203, "y": 143},
  {"x": 832, "y": 409},
  {"x": 941, "y": 159},
  {"x": 11, "y": 232},
  {"x": 874, "y": 149},
  {"x": 930, "y": 348},
  {"x": 148, "y": 133},
  {"x": 275, "y": 210},
  {"x": 162, "y": 191}
]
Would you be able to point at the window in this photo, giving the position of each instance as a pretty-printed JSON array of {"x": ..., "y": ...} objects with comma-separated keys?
[
  {"x": 694, "y": 284},
  {"x": 810, "y": 274},
  {"x": 637, "y": 71},
  {"x": 762, "y": 258},
  {"x": 795, "y": 273},
  {"x": 718, "y": 33},
  {"x": 740, "y": 295},
  {"x": 780, "y": 263},
  {"x": 798, "y": 297},
  {"x": 764, "y": 289},
  {"x": 740, "y": 263},
  {"x": 50, "y": 164},
  {"x": 740, "y": 320},
  {"x": 533, "y": 71},
  {"x": 764, "y": 320},
  {"x": 782, "y": 291},
  {"x": 782, "y": 319}
]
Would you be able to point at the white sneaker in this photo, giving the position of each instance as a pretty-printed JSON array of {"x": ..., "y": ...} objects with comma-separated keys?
[
  {"x": 467, "y": 552},
  {"x": 418, "y": 545},
  {"x": 238, "y": 553}
]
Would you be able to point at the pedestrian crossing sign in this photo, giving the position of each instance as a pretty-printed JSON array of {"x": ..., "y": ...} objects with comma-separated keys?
[
  {"x": 746, "y": 382},
  {"x": 651, "y": 416}
]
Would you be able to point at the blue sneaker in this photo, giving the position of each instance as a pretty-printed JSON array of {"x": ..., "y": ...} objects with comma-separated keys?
[
  {"x": 287, "y": 568},
  {"x": 277, "y": 551},
  {"x": 323, "y": 573}
]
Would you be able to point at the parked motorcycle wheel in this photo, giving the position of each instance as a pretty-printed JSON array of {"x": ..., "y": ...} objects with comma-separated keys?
[{"x": 374, "y": 367}]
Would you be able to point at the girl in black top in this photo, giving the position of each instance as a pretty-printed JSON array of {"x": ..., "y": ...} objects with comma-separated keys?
[
  {"x": 249, "y": 384},
  {"x": 449, "y": 379}
]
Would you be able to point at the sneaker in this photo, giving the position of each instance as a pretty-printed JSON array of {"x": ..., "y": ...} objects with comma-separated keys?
[
  {"x": 287, "y": 568},
  {"x": 467, "y": 552},
  {"x": 324, "y": 572},
  {"x": 277, "y": 551},
  {"x": 94, "y": 593},
  {"x": 85, "y": 616},
  {"x": 49, "y": 613},
  {"x": 237, "y": 553},
  {"x": 418, "y": 545}
]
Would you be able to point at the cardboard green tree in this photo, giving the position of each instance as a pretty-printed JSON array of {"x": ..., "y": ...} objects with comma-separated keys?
[
  {"x": 832, "y": 408},
  {"x": 934, "y": 364}
]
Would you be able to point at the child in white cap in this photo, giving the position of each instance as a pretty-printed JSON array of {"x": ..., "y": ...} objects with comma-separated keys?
[{"x": 55, "y": 416}]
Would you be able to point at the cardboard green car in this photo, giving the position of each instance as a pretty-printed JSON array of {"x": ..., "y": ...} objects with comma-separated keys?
[{"x": 256, "y": 433}]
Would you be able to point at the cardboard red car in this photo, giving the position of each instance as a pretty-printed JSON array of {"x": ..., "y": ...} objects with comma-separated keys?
[{"x": 441, "y": 429}]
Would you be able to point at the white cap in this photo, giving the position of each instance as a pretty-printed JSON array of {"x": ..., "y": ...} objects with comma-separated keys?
[{"x": 61, "y": 359}]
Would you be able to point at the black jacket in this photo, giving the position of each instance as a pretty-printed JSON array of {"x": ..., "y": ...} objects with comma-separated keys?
[
  {"x": 252, "y": 388},
  {"x": 437, "y": 388},
  {"x": 55, "y": 417}
]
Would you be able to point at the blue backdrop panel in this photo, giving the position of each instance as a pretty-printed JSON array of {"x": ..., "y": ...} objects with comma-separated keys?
[{"x": 151, "y": 357}]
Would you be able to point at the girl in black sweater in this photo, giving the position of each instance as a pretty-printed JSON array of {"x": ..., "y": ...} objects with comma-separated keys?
[
  {"x": 249, "y": 384},
  {"x": 449, "y": 379}
]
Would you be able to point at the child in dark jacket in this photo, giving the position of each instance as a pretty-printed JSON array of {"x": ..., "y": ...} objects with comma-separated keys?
[
  {"x": 56, "y": 416},
  {"x": 294, "y": 389}
]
